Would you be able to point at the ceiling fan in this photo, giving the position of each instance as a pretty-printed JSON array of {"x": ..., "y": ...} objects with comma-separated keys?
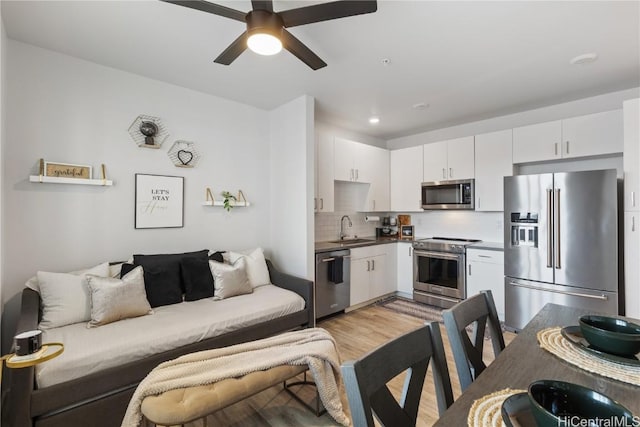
[{"x": 266, "y": 33}]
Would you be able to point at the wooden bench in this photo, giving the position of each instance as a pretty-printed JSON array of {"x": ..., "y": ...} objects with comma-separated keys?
[{"x": 180, "y": 406}]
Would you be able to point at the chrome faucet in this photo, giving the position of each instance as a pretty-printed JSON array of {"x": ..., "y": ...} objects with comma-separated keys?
[{"x": 342, "y": 233}]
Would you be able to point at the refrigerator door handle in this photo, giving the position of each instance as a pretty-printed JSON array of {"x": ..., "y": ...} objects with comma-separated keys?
[
  {"x": 557, "y": 229},
  {"x": 575, "y": 294},
  {"x": 549, "y": 228}
]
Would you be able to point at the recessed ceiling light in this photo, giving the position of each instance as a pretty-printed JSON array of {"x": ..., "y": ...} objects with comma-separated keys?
[
  {"x": 586, "y": 58},
  {"x": 420, "y": 106},
  {"x": 374, "y": 120},
  {"x": 386, "y": 61}
]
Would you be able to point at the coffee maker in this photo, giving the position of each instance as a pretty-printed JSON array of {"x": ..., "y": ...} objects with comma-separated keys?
[{"x": 389, "y": 227}]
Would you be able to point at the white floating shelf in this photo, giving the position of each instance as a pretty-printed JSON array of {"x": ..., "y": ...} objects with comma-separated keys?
[
  {"x": 221, "y": 203},
  {"x": 77, "y": 181}
]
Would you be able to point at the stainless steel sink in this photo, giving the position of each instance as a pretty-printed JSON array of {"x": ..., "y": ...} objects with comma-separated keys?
[{"x": 351, "y": 241}]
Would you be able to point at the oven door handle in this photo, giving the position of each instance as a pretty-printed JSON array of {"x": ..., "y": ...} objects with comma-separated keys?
[{"x": 440, "y": 255}]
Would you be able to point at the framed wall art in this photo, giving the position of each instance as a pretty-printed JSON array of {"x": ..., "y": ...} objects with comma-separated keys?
[
  {"x": 406, "y": 232},
  {"x": 159, "y": 201}
]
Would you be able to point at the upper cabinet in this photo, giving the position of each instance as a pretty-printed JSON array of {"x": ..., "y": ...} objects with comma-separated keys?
[
  {"x": 324, "y": 147},
  {"x": 589, "y": 135},
  {"x": 405, "y": 179},
  {"x": 451, "y": 159},
  {"x": 631, "y": 159},
  {"x": 537, "y": 142},
  {"x": 593, "y": 135},
  {"x": 493, "y": 155},
  {"x": 356, "y": 162}
]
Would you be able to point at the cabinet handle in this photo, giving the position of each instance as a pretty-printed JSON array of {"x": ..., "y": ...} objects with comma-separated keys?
[
  {"x": 410, "y": 250},
  {"x": 357, "y": 174},
  {"x": 469, "y": 269},
  {"x": 567, "y": 147},
  {"x": 444, "y": 173},
  {"x": 555, "y": 148},
  {"x": 633, "y": 223},
  {"x": 368, "y": 265},
  {"x": 373, "y": 264},
  {"x": 450, "y": 172},
  {"x": 483, "y": 256},
  {"x": 321, "y": 203},
  {"x": 633, "y": 198},
  {"x": 374, "y": 205}
]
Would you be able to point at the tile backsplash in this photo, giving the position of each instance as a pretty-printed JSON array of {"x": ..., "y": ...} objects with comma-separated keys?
[{"x": 348, "y": 196}]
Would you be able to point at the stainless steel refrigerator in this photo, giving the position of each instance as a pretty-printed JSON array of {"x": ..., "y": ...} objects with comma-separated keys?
[{"x": 560, "y": 243}]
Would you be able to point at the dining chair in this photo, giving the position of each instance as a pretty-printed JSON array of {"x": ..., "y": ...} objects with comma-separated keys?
[
  {"x": 478, "y": 311},
  {"x": 366, "y": 379}
]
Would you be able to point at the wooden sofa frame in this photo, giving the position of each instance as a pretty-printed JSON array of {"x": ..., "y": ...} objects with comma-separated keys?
[{"x": 101, "y": 399}]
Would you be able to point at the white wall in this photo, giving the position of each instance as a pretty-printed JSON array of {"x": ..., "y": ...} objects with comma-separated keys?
[
  {"x": 595, "y": 104},
  {"x": 292, "y": 166},
  {"x": 336, "y": 131},
  {"x": 69, "y": 110}
]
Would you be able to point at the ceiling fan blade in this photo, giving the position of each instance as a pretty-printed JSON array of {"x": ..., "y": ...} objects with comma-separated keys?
[
  {"x": 234, "y": 50},
  {"x": 262, "y": 5},
  {"x": 302, "y": 52},
  {"x": 327, "y": 11},
  {"x": 216, "y": 9}
]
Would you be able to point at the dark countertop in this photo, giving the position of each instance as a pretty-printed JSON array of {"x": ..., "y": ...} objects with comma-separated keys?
[
  {"x": 371, "y": 240},
  {"x": 490, "y": 246}
]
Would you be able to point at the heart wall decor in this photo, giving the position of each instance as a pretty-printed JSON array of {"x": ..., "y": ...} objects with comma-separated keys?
[{"x": 183, "y": 154}]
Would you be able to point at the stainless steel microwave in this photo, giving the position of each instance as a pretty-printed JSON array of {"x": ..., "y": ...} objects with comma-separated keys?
[{"x": 443, "y": 195}]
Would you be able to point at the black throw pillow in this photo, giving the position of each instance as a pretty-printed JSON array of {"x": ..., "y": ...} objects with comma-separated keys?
[
  {"x": 217, "y": 256},
  {"x": 162, "y": 278},
  {"x": 197, "y": 278}
]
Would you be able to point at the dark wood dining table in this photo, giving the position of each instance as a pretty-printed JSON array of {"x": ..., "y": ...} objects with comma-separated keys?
[{"x": 524, "y": 361}]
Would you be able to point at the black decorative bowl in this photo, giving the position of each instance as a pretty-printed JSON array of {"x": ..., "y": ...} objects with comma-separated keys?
[
  {"x": 557, "y": 403},
  {"x": 611, "y": 335}
]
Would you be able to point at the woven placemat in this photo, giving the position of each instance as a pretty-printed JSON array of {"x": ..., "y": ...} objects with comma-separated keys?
[
  {"x": 486, "y": 411},
  {"x": 551, "y": 339}
]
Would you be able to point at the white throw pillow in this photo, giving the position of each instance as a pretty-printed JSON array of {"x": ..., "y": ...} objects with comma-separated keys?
[
  {"x": 33, "y": 284},
  {"x": 257, "y": 269},
  {"x": 65, "y": 296},
  {"x": 229, "y": 280},
  {"x": 117, "y": 299}
]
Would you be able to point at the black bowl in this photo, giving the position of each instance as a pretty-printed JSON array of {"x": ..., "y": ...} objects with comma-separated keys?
[
  {"x": 557, "y": 403},
  {"x": 611, "y": 335}
]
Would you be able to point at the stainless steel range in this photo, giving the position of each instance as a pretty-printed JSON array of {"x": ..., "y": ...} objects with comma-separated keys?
[{"x": 439, "y": 267}]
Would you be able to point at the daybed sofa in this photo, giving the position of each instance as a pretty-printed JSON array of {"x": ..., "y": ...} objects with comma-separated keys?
[{"x": 98, "y": 397}]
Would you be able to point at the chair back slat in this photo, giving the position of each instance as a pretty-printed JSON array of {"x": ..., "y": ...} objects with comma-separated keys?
[
  {"x": 479, "y": 311},
  {"x": 366, "y": 378}
]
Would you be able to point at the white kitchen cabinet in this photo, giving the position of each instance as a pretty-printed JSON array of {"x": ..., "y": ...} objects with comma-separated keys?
[
  {"x": 538, "y": 142},
  {"x": 632, "y": 264},
  {"x": 405, "y": 177},
  {"x": 344, "y": 160},
  {"x": 582, "y": 136},
  {"x": 631, "y": 157},
  {"x": 493, "y": 158},
  {"x": 356, "y": 162},
  {"x": 324, "y": 188},
  {"x": 376, "y": 170},
  {"x": 592, "y": 134},
  {"x": 370, "y": 277},
  {"x": 404, "y": 267},
  {"x": 450, "y": 159},
  {"x": 485, "y": 271}
]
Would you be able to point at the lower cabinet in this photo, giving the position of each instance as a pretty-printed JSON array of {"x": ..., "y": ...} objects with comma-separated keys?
[
  {"x": 370, "y": 272},
  {"x": 485, "y": 271},
  {"x": 404, "y": 271},
  {"x": 632, "y": 264}
]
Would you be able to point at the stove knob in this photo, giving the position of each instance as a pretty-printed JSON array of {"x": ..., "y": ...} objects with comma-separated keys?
[{"x": 455, "y": 247}]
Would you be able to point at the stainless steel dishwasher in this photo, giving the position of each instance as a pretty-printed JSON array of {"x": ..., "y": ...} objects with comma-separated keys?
[{"x": 333, "y": 271}]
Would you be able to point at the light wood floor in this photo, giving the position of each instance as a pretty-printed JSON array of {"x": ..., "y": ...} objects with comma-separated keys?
[{"x": 356, "y": 333}]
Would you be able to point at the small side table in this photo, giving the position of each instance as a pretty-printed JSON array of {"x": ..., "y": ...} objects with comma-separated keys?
[{"x": 47, "y": 352}]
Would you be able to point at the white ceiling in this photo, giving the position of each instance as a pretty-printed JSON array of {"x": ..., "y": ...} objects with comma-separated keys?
[{"x": 467, "y": 60}]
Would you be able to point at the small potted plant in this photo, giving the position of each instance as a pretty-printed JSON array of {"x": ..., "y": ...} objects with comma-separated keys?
[{"x": 229, "y": 200}]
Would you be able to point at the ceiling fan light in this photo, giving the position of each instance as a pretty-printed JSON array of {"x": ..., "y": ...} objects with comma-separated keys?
[{"x": 264, "y": 44}]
